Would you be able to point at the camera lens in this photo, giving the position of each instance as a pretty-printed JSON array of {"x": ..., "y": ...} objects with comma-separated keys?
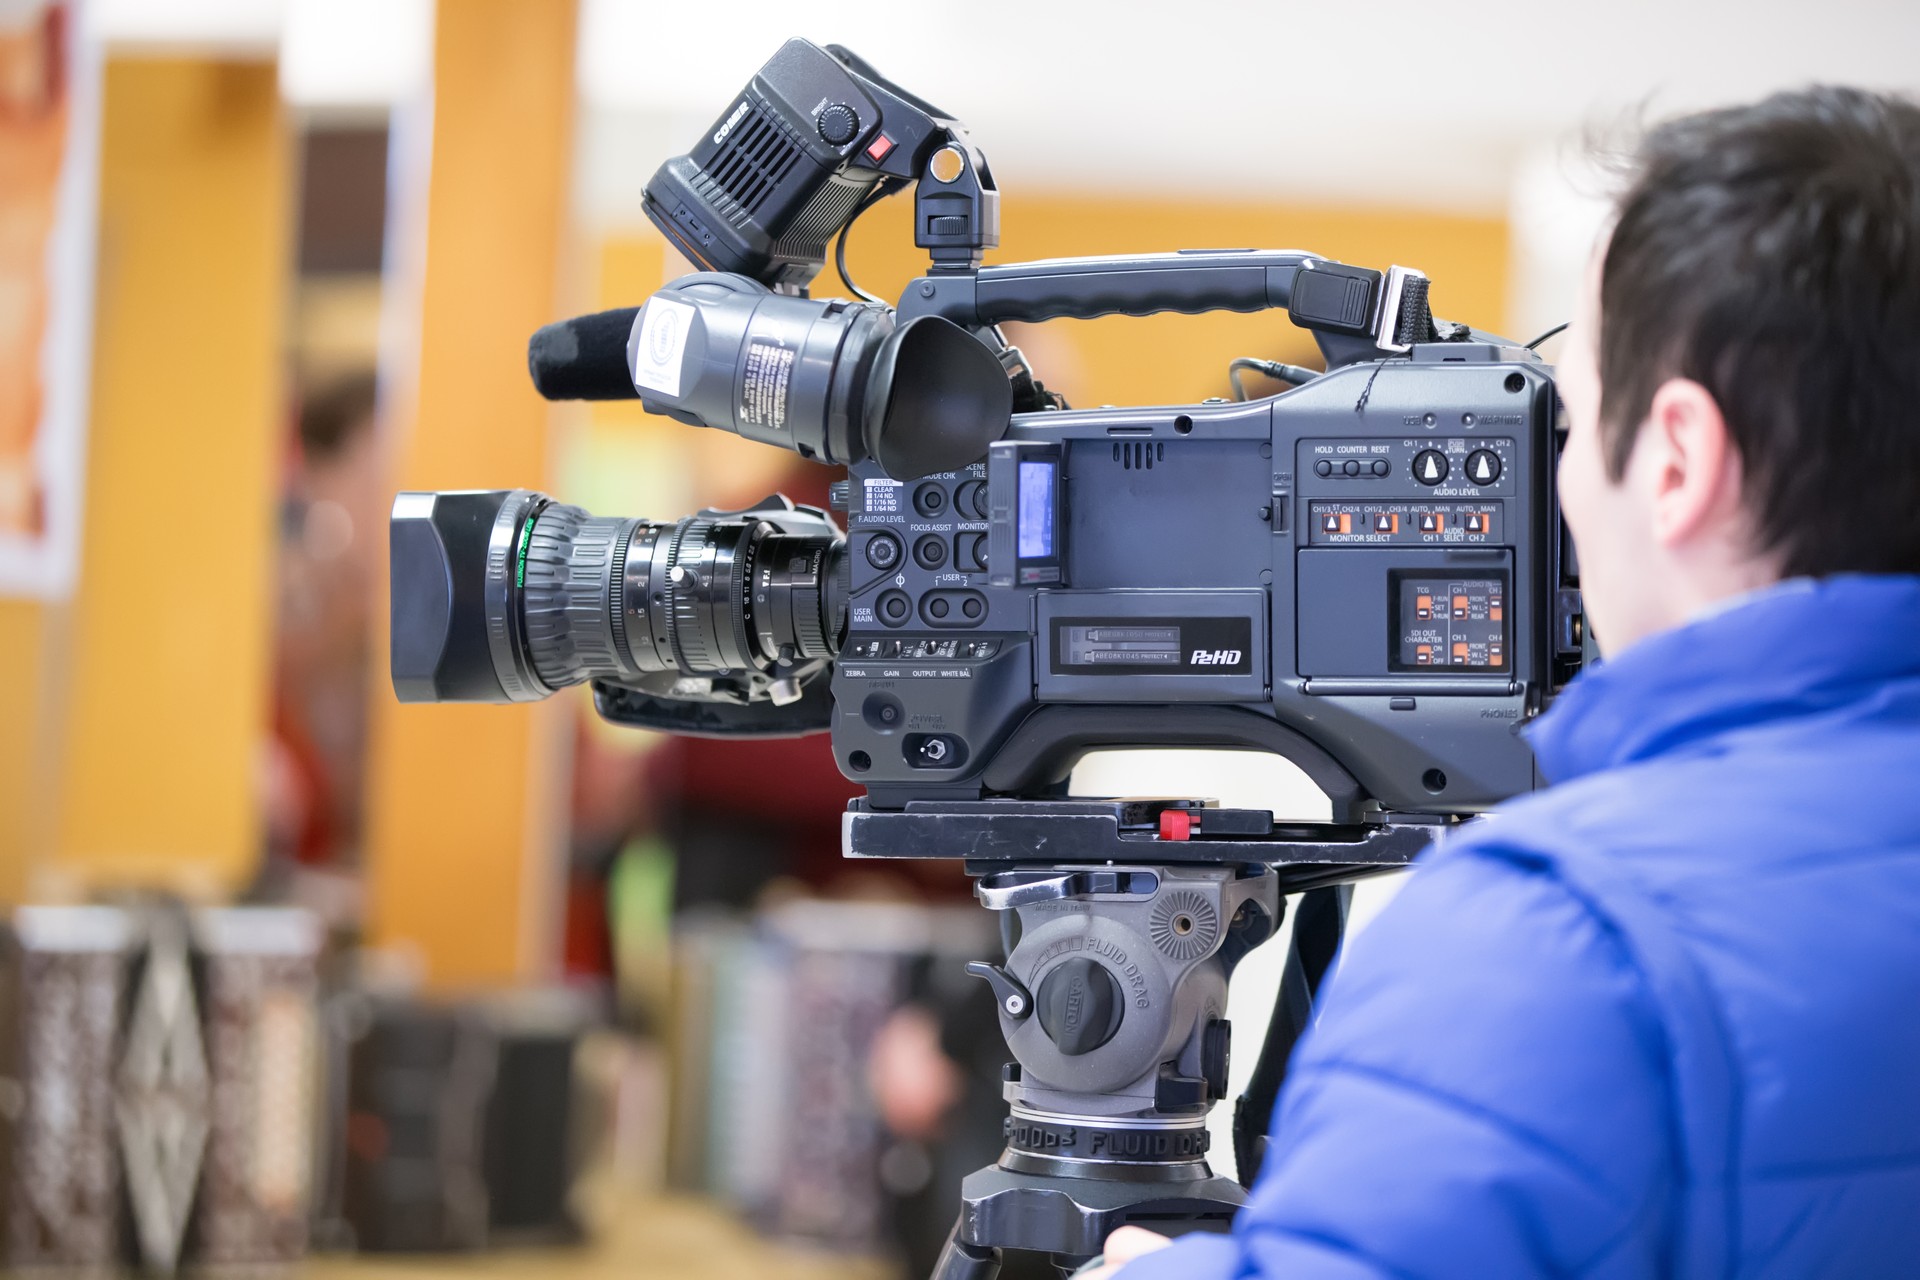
[{"x": 508, "y": 596}]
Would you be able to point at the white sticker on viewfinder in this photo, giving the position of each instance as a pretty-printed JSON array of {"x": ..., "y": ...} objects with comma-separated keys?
[{"x": 657, "y": 355}]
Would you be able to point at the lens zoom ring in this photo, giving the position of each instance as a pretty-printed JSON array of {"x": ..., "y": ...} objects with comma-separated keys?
[{"x": 569, "y": 597}]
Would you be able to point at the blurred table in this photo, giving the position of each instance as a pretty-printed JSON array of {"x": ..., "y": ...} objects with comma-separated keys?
[{"x": 668, "y": 1238}]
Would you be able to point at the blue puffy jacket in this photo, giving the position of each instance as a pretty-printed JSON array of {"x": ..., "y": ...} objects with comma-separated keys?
[{"x": 1662, "y": 1019}]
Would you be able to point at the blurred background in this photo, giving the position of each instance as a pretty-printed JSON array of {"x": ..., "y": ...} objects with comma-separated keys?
[{"x": 292, "y": 976}]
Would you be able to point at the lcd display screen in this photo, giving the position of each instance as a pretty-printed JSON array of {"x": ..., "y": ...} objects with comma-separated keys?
[{"x": 1036, "y": 510}]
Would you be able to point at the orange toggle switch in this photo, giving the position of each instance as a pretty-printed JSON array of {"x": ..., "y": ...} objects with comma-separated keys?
[{"x": 1177, "y": 824}]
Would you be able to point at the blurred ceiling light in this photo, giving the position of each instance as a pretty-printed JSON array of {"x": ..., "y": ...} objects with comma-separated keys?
[
  {"x": 1399, "y": 102},
  {"x": 241, "y": 26},
  {"x": 641, "y": 53},
  {"x": 355, "y": 53}
]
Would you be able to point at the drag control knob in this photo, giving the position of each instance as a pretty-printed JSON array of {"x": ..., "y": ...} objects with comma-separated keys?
[{"x": 1079, "y": 1006}]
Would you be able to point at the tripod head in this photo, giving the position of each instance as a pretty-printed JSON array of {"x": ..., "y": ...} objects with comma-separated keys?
[{"x": 1122, "y": 922}]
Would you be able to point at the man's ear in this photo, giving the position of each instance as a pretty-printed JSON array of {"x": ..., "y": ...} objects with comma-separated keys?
[{"x": 1691, "y": 467}]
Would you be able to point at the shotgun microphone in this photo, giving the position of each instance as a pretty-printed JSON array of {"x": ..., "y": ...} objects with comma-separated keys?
[{"x": 584, "y": 358}]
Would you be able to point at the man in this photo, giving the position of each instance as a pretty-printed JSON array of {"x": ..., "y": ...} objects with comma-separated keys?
[{"x": 1664, "y": 1018}]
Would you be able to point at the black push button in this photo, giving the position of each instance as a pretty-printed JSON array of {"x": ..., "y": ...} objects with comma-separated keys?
[
  {"x": 1323, "y": 468},
  {"x": 1079, "y": 1006}
]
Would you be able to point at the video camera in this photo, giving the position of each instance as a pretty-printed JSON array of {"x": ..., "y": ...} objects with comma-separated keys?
[{"x": 1365, "y": 574}]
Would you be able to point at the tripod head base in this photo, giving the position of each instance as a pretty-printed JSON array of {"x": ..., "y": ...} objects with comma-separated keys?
[{"x": 1071, "y": 1218}]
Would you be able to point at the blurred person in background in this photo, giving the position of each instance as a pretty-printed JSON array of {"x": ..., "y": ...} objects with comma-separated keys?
[{"x": 333, "y": 522}]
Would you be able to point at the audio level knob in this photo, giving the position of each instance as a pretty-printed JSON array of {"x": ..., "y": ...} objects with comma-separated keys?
[{"x": 1430, "y": 466}]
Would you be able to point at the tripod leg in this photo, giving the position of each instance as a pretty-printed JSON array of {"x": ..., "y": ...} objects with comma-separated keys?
[{"x": 964, "y": 1261}]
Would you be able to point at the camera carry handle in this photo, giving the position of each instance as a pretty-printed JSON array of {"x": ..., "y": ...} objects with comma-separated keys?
[{"x": 1334, "y": 300}]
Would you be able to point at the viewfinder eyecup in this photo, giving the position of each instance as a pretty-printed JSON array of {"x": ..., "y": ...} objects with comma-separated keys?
[{"x": 936, "y": 399}]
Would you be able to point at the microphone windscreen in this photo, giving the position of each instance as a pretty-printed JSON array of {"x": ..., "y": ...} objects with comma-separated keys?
[{"x": 584, "y": 358}]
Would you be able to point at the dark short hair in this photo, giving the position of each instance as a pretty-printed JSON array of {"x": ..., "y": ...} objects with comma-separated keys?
[
  {"x": 1771, "y": 253},
  {"x": 334, "y": 414}
]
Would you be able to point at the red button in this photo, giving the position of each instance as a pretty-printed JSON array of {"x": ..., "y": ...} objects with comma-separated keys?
[
  {"x": 877, "y": 149},
  {"x": 1176, "y": 824}
]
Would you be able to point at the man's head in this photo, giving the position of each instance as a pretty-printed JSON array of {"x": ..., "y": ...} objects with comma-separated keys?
[{"x": 1743, "y": 371}]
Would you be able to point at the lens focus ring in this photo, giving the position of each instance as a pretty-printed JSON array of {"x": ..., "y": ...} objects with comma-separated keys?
[{"x": 569, "y": 598}]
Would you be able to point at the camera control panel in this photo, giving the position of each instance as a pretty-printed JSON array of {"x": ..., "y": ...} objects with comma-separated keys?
[{"x": 1423, "y": 527}]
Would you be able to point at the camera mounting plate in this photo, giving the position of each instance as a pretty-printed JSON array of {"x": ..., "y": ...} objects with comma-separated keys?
[{"x": 993, "y": 834}]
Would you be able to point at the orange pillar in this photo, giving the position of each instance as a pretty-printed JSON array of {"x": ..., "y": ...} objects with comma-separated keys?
[{"x": 464, "y": 832}]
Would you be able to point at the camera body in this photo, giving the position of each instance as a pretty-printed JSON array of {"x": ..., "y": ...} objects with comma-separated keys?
[
  {"x": 1366, "y": 574},
  {"x": 1367, "y": 566}
]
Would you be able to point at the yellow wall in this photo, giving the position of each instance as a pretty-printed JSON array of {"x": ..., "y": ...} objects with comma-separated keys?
[
  {"x": 463, "y": 836},
  {"x": 133, "y": 756}
]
